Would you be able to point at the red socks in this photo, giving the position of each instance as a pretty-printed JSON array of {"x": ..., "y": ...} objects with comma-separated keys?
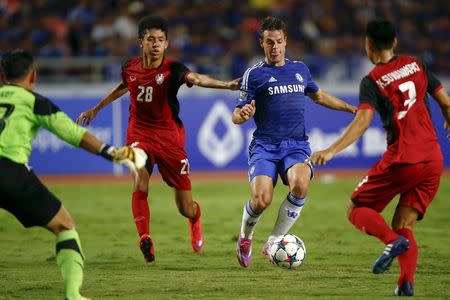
[
  {"x": 408, "y": 259},
  {"x": 372, "y": 223},
  {"x": 141, "y": 212}
]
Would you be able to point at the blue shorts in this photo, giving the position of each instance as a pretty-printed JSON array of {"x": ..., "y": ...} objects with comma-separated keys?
[{"x": 271, "y": 159}]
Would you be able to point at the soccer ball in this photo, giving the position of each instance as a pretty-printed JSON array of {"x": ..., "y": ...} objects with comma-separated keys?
[{"x": 288, "y": 251}]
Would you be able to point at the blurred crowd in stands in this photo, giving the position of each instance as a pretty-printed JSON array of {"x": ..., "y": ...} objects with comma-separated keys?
[{"x": 220, "y": 37}]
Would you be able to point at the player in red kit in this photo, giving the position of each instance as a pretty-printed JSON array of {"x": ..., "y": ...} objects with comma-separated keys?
[
  {"x": 411, "y": 167},
  {"x": 154, "y": 126}
]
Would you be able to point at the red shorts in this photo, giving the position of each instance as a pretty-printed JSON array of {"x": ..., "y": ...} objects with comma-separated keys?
[
  {"x": 166, "y": 149},
  {"x": 417, "y": 185}
]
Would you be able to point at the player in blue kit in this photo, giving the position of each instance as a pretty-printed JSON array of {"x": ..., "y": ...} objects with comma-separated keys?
[{"x": 274, "y": 92}]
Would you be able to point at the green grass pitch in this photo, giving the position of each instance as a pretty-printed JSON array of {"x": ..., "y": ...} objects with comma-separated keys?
[{"x": 337, "y": 264}]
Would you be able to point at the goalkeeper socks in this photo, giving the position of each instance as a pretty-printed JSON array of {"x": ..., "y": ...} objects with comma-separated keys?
[
  {"x": 70, "y": 260},
  {"x": 288, "y": 213},
  {"x": 372, "y": 223},
  {"x": 249, "y": 220},
  {"x": 141, "y": 212},
  {"x": 408, "y": 259}
]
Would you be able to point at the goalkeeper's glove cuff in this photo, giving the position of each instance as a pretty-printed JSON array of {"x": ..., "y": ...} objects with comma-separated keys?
[{"x": 107, "y": 151}]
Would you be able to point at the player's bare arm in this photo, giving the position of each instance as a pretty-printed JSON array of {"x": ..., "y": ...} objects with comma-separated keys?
[
  {"x": 91, "y": 144},
  {"x": 86, "y": 117},
  {"x": 210, "y": 82},
  {"x": 443, "y": 100},
  {"x": 326, "y": 99},
  {"x": 353, "y": 131},
  {"x": 244, "y": 113}
]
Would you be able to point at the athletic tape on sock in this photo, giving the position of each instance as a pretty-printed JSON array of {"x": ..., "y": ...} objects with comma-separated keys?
[{"x": 68, "y": 244}]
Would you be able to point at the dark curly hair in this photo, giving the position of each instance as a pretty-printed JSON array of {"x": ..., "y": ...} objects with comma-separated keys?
[
  {"x": 272, "y": 23},
  {"x": 152, "y": 22}
]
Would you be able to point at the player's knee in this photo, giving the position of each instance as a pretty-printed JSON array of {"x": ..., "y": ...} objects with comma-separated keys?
[
  {"x": 261, "y": 200},
  {"x": 299, "y": 188},
  {"x": 61, "y": 221},
  {"x": 61, "y": 225}
]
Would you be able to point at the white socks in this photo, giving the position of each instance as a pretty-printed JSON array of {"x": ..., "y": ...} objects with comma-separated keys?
[
  {"x": 249, "y": 220},
  {"x": 289, "y": 212}
]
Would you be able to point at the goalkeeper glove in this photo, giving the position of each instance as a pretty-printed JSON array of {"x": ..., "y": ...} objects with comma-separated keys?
[{"x": 133, "y": 158}]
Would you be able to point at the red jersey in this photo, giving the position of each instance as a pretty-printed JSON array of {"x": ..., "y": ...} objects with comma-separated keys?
[
  {"x": 153, "y": 96},
  {"x": 398, "y": 90}
]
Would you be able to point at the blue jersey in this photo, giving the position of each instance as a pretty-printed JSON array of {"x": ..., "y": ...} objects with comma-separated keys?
[{"x": 280, "y": 95}]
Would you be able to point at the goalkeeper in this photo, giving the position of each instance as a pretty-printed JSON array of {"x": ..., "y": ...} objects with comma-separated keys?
[{"x": 22, "y": 114}]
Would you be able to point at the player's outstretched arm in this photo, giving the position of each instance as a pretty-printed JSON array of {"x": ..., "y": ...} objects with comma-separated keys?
[
  {"x": 443, "y": 100},
  {"x": 86, "y": 117},
  {"x": 326, "y": 99},
  {"x": 353, "y": 131},
  {"x": 242, "y": 114},
  {"x": 210, "y": 82}
]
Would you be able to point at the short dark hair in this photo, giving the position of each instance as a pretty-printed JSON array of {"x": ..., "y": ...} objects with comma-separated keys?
[
  {"x": 381, "y": 33},
  {"x": 16, "y": 63},
  {"x": 272, "y": 23},
  {"x": 152, "y": 22}
]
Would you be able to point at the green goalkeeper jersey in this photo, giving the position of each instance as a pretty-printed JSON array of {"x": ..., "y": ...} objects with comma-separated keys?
[{"x": 22, "y": 114}]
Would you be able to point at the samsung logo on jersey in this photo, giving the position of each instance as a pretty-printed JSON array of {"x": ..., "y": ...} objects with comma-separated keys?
[
  {"x": 403, "y": 72},
  {"x": 285, "y": 89}
]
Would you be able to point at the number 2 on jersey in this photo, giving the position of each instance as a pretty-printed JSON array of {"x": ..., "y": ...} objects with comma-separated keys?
[
  {"x": 185, "y": 166},
  {"x": 411, "y": 88},
  {"x": 8, "y": 109},
  {"x": 145, "y": 94}
]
